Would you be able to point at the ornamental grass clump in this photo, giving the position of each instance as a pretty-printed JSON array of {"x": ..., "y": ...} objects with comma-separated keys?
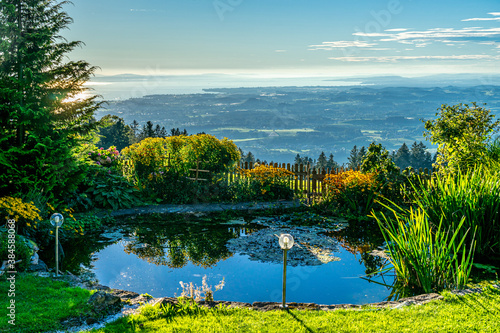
[
  {"x": 473, "y": 196},
  {"x": 426, "y": 257}
]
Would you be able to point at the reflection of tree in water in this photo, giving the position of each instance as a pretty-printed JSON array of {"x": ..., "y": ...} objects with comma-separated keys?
[
  {"x": 77, "y": 253},
  {"x": 175, "y": 245},
  {"x": 361, "y": 237}
]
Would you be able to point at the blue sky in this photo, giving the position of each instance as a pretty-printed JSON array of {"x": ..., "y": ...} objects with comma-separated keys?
[{"x": 288, "y": 37}]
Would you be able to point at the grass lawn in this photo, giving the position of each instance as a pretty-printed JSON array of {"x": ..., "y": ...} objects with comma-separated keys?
[
  {"x": 471, "y": 313},
  {"x": 40, "y": 303}
]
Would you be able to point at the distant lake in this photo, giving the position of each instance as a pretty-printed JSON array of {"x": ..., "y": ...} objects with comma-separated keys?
[{"x": 131, "y": 86}]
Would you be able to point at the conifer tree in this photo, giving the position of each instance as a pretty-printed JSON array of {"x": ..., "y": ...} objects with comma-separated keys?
[
  {"x": 44, "y": 111},
  {"x": 322, "y": 161}
]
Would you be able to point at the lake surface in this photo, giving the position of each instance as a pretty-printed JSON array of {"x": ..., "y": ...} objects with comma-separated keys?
[
  {"x": 325, "y": 267},
  {"x": 125, "y": 87}
]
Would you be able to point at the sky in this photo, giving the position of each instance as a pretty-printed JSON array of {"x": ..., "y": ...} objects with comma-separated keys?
[{"x": 287, "y": 37}]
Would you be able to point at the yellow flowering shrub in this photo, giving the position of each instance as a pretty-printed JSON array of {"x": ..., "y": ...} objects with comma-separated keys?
[
  {"x": 23, "y": 212},
  {"x": 350, "y": 179},
  {"x": 351, "y": 190},
  {"x": 263, "y": 183},
  {"x": 267, "y": 174}
]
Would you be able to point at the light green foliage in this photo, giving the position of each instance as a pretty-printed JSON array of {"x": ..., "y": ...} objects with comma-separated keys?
[
  {"x": 427, "y": 258},
  {"x": 462, "y": 133}
]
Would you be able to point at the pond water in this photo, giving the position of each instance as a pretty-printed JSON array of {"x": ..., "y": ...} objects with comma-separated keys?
[{"x": 152, "y": 254}]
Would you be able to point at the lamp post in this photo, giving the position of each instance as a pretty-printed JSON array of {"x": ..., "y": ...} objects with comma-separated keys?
[
  {"x": 286, "y": 243},
  {"x": 57, "y": 220}
]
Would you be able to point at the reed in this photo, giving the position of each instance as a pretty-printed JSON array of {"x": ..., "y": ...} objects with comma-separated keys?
[
  {"x": 426, "y": 257},
  {"x": 472, "y": 196}
]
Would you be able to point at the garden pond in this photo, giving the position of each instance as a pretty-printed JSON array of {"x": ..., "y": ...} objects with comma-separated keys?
[{"x": 330, "y": 262}]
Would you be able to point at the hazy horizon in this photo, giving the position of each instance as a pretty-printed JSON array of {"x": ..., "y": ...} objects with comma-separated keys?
[{"x": 287, "y": 38}]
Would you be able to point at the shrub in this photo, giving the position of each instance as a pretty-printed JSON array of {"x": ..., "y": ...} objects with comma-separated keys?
[
  {"x": 105, "y": 157},
  {"x": 161, "y": 166},
  {"x": 262, "y": 183},
  {"x": 27, "y": 215},
  {"x": 22, "y": 250},
  {"x": 352, "y": 191},
  {"x": 111, "y": 191}
]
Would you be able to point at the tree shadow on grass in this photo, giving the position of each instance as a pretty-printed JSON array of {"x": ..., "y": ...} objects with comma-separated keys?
[{"x": 307, "y": 328}]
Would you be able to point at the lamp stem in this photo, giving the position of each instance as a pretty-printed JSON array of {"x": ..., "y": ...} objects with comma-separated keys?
[
  {"x": 284, "y": 278},
  {"x": 57, "y": 251}
]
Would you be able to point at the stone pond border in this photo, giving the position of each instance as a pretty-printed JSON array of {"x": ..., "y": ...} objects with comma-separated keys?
[{"x": 121, "y": 303}]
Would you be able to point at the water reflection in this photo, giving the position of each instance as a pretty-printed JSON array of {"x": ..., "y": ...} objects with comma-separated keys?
[{"x": 152, "y": 254}]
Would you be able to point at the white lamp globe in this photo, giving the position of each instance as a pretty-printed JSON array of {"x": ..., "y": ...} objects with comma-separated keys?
[{"x": 286, "y": 241}]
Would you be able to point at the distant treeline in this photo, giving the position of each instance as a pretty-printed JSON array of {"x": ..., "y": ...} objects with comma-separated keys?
[
  {"x": 116, "y": 133},
  {"x": 416, "y": 157}
]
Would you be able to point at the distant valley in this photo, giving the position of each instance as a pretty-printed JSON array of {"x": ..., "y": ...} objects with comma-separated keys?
[{"x": 276, "y": 123}]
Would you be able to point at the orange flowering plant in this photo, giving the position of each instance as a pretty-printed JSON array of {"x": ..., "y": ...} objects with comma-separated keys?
[{"x": 352, "y": 190}]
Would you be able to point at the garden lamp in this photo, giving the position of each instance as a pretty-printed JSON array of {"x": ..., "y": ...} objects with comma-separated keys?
[
  {"x": 57, "y": 220},
  {"x": 286, "y": 243}
]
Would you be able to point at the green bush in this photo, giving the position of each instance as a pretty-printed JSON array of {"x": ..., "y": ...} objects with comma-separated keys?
[
  {"x": 22, "y": 251},
  {"x": 111, "y": 191}
]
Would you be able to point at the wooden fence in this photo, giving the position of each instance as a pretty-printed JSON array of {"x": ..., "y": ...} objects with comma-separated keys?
[{"x": 307, "y": 179}]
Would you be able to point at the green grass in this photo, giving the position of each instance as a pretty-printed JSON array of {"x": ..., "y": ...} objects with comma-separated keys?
[
  {"x": 41, "y": 303},
  {"x": 471, "y": 313}
]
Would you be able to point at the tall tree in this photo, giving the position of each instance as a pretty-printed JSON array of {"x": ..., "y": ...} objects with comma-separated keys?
[
  {"x": 322, "y": 161},
  {"x": 462, "y": 133},
  {"x": 44, "y": 108},
  {"x": 420, "y": 157},
  {"x": 402, "y": 158},
  {"x": 356, "y": 157},
  {"x": 331, "y": 164},
  {"x": 115, "y": 133}
]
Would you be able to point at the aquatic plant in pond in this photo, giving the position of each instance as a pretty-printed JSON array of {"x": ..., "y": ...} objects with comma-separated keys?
[{"x": 426, "y": 257}]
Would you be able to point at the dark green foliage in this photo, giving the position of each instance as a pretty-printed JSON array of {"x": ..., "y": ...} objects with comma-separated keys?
[
  {"x": 242, "y": 190},
  {"x": 419, "y": 157},
  {"x": 115, "y": 133},
  {"x": 356, "y": 157},
  {"x": 322, "y": 161},
  {"x": 389, "y": 177},
  {"x": 42, "y": 116},
  {"x": 22, "y": 250},
  {"x": 109, "y": 190},
  {"x": 402, "y": 157}
]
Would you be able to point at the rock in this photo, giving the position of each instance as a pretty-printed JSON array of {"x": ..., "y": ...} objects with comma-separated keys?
[
  {"x": 102, "y": 301},
  {"x": 40, "y": 267}
]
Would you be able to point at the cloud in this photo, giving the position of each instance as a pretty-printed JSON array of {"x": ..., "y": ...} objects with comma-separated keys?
[
  {"x": 485, "y": 18},
  {"x": 442, "y": 35},
  {"x": 402, "y": 58},
  {"x": 279, "y": 51},
  {"x": 341, "y": 44},
  {"x": 395, "y": 30}
]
